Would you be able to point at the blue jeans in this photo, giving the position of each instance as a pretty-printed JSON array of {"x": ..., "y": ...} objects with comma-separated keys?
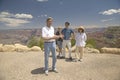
[{"x": 50, "y": 46}]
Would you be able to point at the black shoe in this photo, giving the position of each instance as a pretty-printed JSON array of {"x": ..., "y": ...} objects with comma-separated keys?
[
  {"x": 70, "y": 58},
  {"x": 62, "y": 57},
  {"x": 58, "y": 56},
  {"x": 79, "y": 60}
]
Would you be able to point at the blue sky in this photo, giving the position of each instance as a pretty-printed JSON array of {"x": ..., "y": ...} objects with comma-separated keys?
[{"x": 19, "y": 14}]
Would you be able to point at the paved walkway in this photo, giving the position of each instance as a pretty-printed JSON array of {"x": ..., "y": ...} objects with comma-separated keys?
[{"x": 29, "y": 66}]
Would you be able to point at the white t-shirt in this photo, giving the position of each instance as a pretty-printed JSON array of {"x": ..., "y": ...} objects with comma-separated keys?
[
  {"x": 80, "y": 39},
  {"x": 48, "y": 32}
]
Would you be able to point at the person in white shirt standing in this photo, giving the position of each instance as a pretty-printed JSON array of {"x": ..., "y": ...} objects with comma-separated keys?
[
  {"x": 80, "y": 38},
  {"x": 49, "y": 44}
]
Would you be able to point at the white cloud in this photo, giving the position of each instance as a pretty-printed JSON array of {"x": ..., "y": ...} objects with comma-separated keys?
[
  {"x": 14, "y": 20},
  {"x": 105, "y": 20},
  {"x": 5, "y": 14},
  {"x": 44, "y": 15},
  {"x": 24, "y": 16},
  {"x": 42, "y": 0},
  {"x": 110, "y": 12}
]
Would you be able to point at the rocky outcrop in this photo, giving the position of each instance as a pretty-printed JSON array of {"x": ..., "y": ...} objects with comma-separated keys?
[
  {"x": 18, "y": 48},
  {"x": 110, "y": 50},
  {"x": 91, "y": 50},
  {"x": 21, "y": 48},
  {"x": 112, "y": 36},
  {"x": 1, "y": 45},
  {"x": 8, "y": 48},
  {"x": 35, "y": 48}
]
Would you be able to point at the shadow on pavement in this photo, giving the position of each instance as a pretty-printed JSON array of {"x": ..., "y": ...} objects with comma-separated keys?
[{"x": 38, "y": 71}]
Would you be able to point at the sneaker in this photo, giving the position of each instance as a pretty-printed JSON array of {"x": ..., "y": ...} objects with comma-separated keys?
[
  {"x": 46, "y": 72},
  {"x": 62, "y": 57},
  {"x": 70, "y": 58},
  {"x": 75, "y": 60},
  {"x": 55, "y": 70},
  {"x": 80, "y": 60},
  {"x": 58, "y": 56}
]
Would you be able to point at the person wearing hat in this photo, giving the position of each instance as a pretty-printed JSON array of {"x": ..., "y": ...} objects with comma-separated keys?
[{"x": 80, "y": 38}]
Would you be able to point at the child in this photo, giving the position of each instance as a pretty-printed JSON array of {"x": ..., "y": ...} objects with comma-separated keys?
[
  {"x": 59, "y": 43},
  {"x": 80, "y": 38}
]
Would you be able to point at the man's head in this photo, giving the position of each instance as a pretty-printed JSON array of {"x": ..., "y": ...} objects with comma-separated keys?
[
  {"x": 67, "y": 24},
  {"x": 49, "y": 21}
]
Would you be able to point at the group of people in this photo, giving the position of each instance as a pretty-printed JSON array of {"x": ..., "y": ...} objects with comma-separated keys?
[{"x": 62, "y": 38}]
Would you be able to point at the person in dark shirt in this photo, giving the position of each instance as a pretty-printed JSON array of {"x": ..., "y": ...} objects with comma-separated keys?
[{"x": 59, "y": 43}]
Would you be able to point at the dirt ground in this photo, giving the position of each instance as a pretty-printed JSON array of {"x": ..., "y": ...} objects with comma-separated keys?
[{"x": 29, "y": 66}]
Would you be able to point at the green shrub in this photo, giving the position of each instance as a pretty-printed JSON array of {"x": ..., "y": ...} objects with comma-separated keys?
[
  {"x": 73, "y": 42},
  {"x": 91, "y": 43},
  {"x": 34, "y": 41}
]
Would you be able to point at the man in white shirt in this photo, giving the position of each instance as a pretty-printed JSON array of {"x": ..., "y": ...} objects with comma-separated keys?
[{"x": 49, "y": 44}]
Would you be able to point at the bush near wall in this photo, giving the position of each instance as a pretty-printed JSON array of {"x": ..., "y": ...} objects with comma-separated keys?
[
  {"x": 34, "y": 41},
  {"x": 91, "y": 43}
]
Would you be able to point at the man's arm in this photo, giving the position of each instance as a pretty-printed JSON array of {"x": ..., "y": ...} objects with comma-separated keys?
[
  {"x": 45, "y": 37},
  {"x": 49, "y": 38}
]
